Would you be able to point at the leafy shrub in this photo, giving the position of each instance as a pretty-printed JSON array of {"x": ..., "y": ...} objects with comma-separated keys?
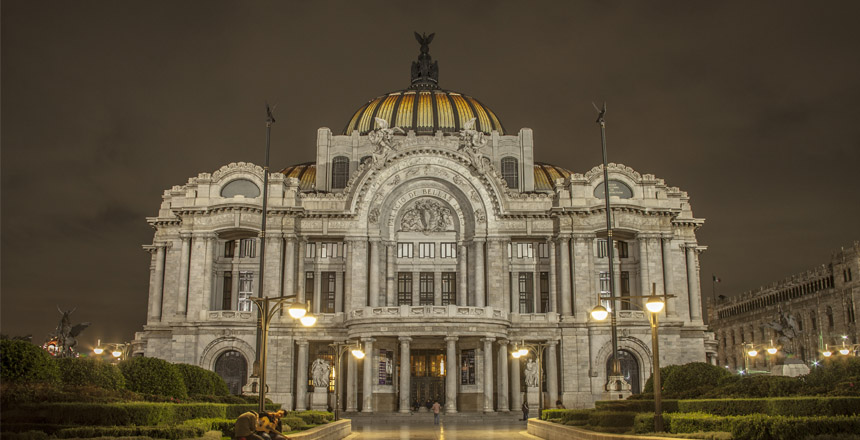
[
  {"x": 836, "y": 375},
  {"x": 688, "y": 380},
  {"x": 169, "y": 432},
  {"x": 90, "y": 372},
  {"x": 751, "y": 427},
  {"x": 202, "y": 381},
  {"x": 153, "y": 376},
  {"x": 28, "y": 435},
  {"x": 23, "y": 362},
  {"x": 669, "y": 405},
  {"x": 312, "y": 417},
  {"x": 121, "y": 414},
  {"x": 551, "y": 414},
  {"x": 724, "y": 407},
  {"x": 757, "y": 386},
  {"x": 616, "y": 419},
  {"x": 294, "y": 423}
]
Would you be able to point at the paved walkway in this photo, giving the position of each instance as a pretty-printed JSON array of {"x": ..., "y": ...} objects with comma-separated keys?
[{"x": 450, "y": 429}]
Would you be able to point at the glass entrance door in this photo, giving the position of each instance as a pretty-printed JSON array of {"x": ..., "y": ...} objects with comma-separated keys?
[{"x": 429, "y": 368}]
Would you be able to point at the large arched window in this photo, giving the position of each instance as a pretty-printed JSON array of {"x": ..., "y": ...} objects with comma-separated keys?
[
  {"x": 339, "y": 172},
  {"x": 233, "y": 368},
  {"x": 629, "y": 369},
  {"x": 510, "y": 172}
]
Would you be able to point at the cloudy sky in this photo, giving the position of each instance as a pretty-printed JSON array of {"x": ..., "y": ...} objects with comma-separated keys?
[{"x": 750, "y": 107}]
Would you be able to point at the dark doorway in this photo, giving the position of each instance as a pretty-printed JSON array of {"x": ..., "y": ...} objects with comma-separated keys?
[
  {"x": 629, "y": 369},
  {"x": 233, "y": 368},
  {"x": 429, "y": 368}
]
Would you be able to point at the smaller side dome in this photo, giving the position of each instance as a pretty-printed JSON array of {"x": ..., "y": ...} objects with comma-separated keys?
[
  {"x": 546, "y": 174},
  {"x": 305, "y": 172}
]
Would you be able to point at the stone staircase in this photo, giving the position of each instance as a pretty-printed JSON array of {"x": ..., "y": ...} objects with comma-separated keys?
[{"x": 359, "y": 418}]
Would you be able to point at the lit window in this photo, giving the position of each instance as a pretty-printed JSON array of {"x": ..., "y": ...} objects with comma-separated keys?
[
  {"x": 426, "y": 250},
  {"x": 404, "y": 250},
  {"x": 510, "y": 172},
  {"x": 246, "y": 290},
  {"x": 467, "y": 367},
  {"x": 601, "y": 248},
  {"x": 604, "y": 291},
  {"x": 448, "y": 250},
  {"x": 327, "y": 291},
  {"x": 523, "y": 250},
  {"x": 339, "y": 172}
]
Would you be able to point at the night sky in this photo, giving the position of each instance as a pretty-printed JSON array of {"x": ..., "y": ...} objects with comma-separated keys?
[{"x": 750, "y": 107}]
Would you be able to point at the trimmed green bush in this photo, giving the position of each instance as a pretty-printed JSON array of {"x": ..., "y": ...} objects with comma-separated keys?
[
  {"x": 294, "y": 423},
  {"x": 90, "y": 372},
  {"x": 23, "y": 362},
  {"x": 168, "y": 432},
  {"x": 751, "y": 427},
  {"x": 312, "y": 417},
  {"x": 669, "y": 405},
  {"x": 153, "y": 376},
  {"x": 200, "y": 381},
  {"x": 689, "y": 380},
  {"x": 122, "y": 414},
  {"x": 612, "y": 419}
]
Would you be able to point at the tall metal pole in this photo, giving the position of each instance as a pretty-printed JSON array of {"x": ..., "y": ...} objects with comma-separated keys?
[
  {"x": 658, "y": 392},
  {"x": 263, "y": 307},
  {"x": 616, "y": 370}
]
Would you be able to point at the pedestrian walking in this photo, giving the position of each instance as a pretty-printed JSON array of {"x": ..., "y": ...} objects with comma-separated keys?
[
  {"x": 436, "y": 408},
  {"x": 525, "y": 410}
]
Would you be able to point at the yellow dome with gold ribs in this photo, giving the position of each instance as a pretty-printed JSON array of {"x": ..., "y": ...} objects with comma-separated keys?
[{"x": 424, "y": 108}]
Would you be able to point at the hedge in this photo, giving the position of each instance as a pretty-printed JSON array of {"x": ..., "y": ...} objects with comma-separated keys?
[
  {"x": 200, "y": 381},
  {"x": 669, "y": 405},
  {"x": 786, "y": 406},
  {"x": 153, "y": 376},
  {"x": 23, "y": 362},
  {"x": 169, "y": 432},
  {"x": 122, "y": 414},
  {"x": 751, "y": 427},
  {"x": 90, "y": 372}
]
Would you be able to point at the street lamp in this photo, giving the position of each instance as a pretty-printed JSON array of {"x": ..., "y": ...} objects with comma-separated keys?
[
  {"x": 267, "y": 308},
  {"x": 339, "y": 349},
  {"x": 537, "y": 348},
  {"x": 654, "y": 304},
  {"x": 119, "y": 350}
]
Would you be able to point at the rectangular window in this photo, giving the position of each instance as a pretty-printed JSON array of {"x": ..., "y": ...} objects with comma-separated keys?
[
  {"x": 310, "y": 250},
  {"x": 386, "y": 366},
  {"x": 309, "y": 285},
  {"x": 404, "y": 250},
  {"x": 404, "y": 288},
  {"x": 526, "y": 289},
  {"x": 543, "y": 250},
  {"x": 426, "y": 250},
  {"x": 523, "y": 250},
  {"x": 330, "y": 250},
  {"x": 229, "y": 248},
  {"x": 248, "y": 248},
  {"x": 544, "y": 292},
  {"x": 604, "y": 291},
  {"x": 246, "y": 290},
  {"x": 425, "y": 289},
  {"x": 814, "y": 323},
  {"x": 227, "y": 297},
  {"x": 467, "y": 367},
  {"x": 625, "y": 291},
  {"x": 449, "y": 288},
  {"x": 448, "y": 250},
  {"x": 623, "y": 251},
  {"x": 601, "y": 248},
  {"x": 328, "y": 291}
]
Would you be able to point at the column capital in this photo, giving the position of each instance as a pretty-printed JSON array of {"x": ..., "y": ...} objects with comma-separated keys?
[
  {"x": 451, "y": 338},
  {"x": 368, "y": 339},
  {"x": 564, "y": 236},
  {"x": 302, "y": 342},
  {"x": 403, "y": 339},
  {"x": 488, "y": 339},
  {"x": 477, "y": 240},
  {"x": 185, "y": 235},
  {"x": 503, "y": 342},
  {"x": 551, "y": 342},
  {"x": 584, "y": 235}
]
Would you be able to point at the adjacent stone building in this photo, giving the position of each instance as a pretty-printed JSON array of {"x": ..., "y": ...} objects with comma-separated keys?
[
  {"x": 429, "y": 233},
  {"x": 801, "y": 315}
]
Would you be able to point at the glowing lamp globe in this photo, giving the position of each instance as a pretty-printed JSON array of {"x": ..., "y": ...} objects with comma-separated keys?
[
  {"x": 599, "y": 313},
  {"x": 654, "y": 304}
]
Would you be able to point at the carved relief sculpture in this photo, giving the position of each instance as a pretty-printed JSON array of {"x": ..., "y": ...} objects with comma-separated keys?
[
  {"x": 426, "y": 216},
  {"x": 319, "y": 371},
  {"x": 471, "y": 142},
  {"x": 383, "y": 139}
]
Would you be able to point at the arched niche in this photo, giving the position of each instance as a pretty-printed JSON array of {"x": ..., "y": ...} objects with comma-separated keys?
[{"x": 433, "y": 194}]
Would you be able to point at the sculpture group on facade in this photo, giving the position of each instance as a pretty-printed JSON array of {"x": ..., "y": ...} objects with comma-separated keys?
[
  {"x": 383, "y": 139},
  {"x": 426, "y": 216},
  {"x": 531, "y": 374},
  {"x": 320, "y": 372},
  {"x": 471, "y": 142}
]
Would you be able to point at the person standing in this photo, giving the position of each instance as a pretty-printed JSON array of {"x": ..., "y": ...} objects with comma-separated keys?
[
  {"x": 436, "y": 408},
  {"x": 525, "y": 410}
]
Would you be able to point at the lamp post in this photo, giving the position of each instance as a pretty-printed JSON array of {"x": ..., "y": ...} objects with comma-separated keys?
[
  {"x": 655, "y": 304},
  {"x": 116, "y": 349},
  {"x": 339, "y": 349},
  {"x": 267, "y": 308},
  {"x": 537, "y": 348}
]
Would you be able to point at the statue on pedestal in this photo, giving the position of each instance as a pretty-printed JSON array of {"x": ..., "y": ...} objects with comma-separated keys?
[
  {"x": 320, "y": 372},
  {"x": 531, "y": 374}
]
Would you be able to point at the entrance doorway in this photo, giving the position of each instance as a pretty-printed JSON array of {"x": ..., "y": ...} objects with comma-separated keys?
[
  {"x": 233, "y": 368},
  {"x": 429, "y": 368},
  {"x": 629, "y": 369}
]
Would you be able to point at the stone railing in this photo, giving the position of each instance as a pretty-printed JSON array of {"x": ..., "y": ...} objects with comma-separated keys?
[
  {"x": 424, "y": 312},
  {"x": 229, "y": 315},
  {"x": 242, "y": 316},
  {"x": 534, "y": 318}
]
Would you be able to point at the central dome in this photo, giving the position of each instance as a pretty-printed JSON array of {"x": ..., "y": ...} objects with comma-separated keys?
[{"x": 424, "y": 108}]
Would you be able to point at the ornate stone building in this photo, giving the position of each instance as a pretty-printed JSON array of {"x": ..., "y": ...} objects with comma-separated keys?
[
  {"x": 802, "y": 314},
  {"x": 428, "y": 232}
]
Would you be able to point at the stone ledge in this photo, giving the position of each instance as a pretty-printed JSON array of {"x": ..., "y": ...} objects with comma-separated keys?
[
  {"x": 330, "y": 431},
  {"x": 555, "y": 431}
]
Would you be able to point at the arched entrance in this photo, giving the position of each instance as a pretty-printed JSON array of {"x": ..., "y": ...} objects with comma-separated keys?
[
  {"x": 629, "y": 369},
  {"x": 233, "y": 368}
]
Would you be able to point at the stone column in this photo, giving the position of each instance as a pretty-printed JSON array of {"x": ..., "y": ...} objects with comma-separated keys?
[
  {"x": 391, "y": 276},
  {"x": 272, "y": 283},
  {"x": 516, "y": 394},
  {"x": 302, "y": 376},
  {"x": 479, "y": 273},
  {"x": 488, "y": 374},
  {"x": 554, "y": 305},
  {"x": 184, "y": 261},
  {"x": 300, "y": 271},
  {"x": 551, "y": 374},
  {"x": 437, "y": 288},
  {"x": 369, "y": 374},
  {"x": 405, "y": 375},
  {"x": 564, "y": 273},
  {"x": 503, "y": 376},
  {"x": 374, "y": 273},
  {"x": 515, "y": 291},
  {"x": 462, "y": 277},
  {"x": 451, "y": 375},
  {"x": 157, "y": 296},
  {"x": 668, "y": 285},
  {"x": 644, "y": 284},
  {"x": 351, "y": 383},
  {"x": 346, "y": 287},
  {"x": 693, "y": 282},
  {"x": 208, "y": 271},
  {"x": 506, "y": 277},
  {"x": 289, "y": 266}
]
